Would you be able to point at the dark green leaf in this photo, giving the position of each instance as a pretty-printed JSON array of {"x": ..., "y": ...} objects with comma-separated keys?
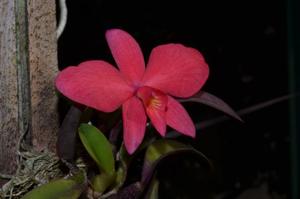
[
  {"x": 70, "y": 188},
  {"x": 98, "y": 147},
  {"x": 152, "y": 192},
  {"x": 125, "y": 159},
  {"x": 158, "y": 151},
  {"x": 101, "y": 182},
  {"x": 161, "y": 147}
]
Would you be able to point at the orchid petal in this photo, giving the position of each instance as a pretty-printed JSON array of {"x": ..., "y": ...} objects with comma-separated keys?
[
  {"x": 177, "y": 70},
  {"x": 127, "y": 54},
  {"x": 134, "y": 123},
  {"x": 178, "y": 118},
  {"x": 96, "y": 84}
]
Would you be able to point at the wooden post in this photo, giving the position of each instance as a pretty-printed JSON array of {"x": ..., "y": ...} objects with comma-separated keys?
[
  {"x": 43, "y": 69},
  {"x": 9, "y": 111},
  {"x": 28, "y": 66}
]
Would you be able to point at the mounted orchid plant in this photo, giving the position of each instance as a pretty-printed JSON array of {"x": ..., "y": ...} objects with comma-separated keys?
[{"x": 139, "y": 101}]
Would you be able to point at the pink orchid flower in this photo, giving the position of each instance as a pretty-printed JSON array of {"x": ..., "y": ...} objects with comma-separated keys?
[{"x": 173, "y": 70}]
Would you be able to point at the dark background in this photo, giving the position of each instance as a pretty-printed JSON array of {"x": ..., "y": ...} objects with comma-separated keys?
[{"x": 245, "y": 45}]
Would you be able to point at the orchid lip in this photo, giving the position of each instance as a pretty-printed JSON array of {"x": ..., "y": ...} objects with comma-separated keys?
[{"x": 152, "y": 98}]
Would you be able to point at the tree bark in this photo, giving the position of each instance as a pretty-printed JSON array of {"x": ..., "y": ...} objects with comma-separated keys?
[
  {"x": 9, "y": 114},
  {"x": 28, "y": 66},
  {"x": 43, "y": 69}
]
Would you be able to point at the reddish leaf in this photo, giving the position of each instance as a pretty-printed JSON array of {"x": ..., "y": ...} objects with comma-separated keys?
[
  {"x": 132, "y": 191},
  {"x": 66, "y": 140},
  {"x": 213, "y": 101}
]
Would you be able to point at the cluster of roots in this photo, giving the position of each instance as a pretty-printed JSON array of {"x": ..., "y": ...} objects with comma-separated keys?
[{"x": 34, "y": 169}]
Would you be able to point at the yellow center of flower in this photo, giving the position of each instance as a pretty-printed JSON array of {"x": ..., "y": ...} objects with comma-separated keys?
[
  {"x": 155, "y": 102},
  {"x": 152, "y": 98}
]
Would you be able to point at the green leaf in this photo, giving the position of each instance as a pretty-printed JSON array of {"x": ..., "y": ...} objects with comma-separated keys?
[
  {"x": 159, "y": 150},
  {"x": 70, "y": 188},
  {"x": 161, "y": 147},
  {"x": 98, "y": 147},
  {"x": 121, "y": 173},
  {"x": 125, "y": 159},
  {"x": 101, "y": 182},
  {"x": 152, "y": 192}
]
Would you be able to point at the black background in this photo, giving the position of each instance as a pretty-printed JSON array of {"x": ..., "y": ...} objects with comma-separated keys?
[{"x": 244, "y": 44}]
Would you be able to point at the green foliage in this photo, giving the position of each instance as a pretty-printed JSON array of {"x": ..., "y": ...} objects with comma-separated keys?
[
  {"x": 157, "y": 153},
  {"x": 160, "y": 148},
  {"x": 98, "y": 148},
  {"x": 101, "y": 182},
  {"x": 70, "y": 188},
  {"x": 153, "y": 189}
]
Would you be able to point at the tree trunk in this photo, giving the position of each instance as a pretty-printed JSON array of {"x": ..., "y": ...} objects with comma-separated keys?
[{"x": 28, "y": 66}]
